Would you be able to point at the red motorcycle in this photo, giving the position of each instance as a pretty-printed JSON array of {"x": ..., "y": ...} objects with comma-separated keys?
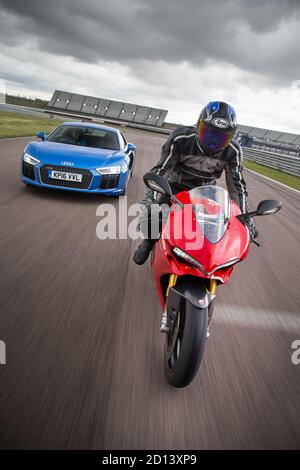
[{"x": 202, "y": 240}]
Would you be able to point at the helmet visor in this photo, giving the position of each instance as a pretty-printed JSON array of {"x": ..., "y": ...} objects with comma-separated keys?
[{"x": 212, "y": 138}]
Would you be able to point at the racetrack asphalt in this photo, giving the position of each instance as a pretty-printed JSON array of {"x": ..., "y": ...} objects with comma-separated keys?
[{"x": 81, "y": 325}]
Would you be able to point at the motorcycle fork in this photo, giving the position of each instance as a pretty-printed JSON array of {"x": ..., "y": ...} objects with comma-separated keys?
[
  {"x": 172, "y": 282},
  {"x": 211, "y": 293},
  {"x": 164, "y": 327},
  {"x": 212, "y": 288}
]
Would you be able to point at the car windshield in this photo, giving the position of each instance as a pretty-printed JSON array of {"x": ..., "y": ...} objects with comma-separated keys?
[
  {"x": 211, "y": 205},
  {"x": 85, "y": 137}
]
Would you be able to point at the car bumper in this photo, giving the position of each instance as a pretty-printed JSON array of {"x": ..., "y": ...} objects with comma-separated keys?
[{"x": 97, "y": 183}]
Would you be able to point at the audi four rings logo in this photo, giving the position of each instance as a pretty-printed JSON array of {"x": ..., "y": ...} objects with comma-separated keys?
[
  {"x": 67, "y": 163},
  {"x": 221, "y": 123}
]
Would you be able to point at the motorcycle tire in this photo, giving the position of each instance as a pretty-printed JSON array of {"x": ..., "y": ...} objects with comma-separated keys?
[{"x": 184, "y": 344}]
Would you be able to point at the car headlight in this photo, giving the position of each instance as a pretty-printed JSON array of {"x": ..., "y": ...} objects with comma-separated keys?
[
  {"x": 29, "y": 159},
  {"x": 124, "y": 166},
  {"x": 110, "y": 170}
]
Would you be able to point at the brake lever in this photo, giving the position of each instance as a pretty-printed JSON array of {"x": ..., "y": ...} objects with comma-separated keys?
[{"x": 256, "y": 243}]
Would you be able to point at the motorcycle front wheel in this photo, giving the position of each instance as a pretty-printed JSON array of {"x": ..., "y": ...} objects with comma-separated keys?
[{"x": 184, "y": 344}]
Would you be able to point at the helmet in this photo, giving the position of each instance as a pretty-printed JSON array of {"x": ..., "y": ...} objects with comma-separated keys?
[{"x": 216, "y": 127}]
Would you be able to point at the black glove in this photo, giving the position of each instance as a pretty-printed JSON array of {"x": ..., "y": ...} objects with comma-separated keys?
[{"x": 253, "y": 230}]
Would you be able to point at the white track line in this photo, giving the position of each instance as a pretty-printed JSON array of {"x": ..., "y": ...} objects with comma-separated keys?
[
  {"x": 257, "y": 318},
  {"x": 273, "y": 181}
]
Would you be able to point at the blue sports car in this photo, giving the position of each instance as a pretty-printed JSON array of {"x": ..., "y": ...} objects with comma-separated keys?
[{"x": 80, "y": 156}]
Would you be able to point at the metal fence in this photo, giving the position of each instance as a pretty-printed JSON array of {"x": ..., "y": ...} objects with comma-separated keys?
[
  {"x": 102, "y": 108},
  {"x": 279, "y": 162}
]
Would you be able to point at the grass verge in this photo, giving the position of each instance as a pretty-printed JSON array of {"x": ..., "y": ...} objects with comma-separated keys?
[
  {"x": 23, "y": 125},
  {"x": 277, "y": 175}
]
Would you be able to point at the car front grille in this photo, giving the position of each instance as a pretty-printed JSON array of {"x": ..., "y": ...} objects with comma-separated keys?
[
  {"x": 109, "y": 181},
  {"x": 84, "y": 184},
  {"x": 28, "y": 171}
]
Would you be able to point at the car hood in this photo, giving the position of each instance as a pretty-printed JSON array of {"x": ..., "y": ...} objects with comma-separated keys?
[{"x": 82, "y": 157}]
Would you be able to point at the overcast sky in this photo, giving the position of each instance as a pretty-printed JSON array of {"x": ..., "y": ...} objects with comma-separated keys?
[{"x": 172, "y": 54}]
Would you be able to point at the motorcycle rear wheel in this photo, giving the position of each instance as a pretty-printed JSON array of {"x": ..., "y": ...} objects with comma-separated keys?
[{"x": 184, "y": 344}]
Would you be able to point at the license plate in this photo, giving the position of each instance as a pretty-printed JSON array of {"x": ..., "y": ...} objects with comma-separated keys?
[{"x": 65, "y": 176}]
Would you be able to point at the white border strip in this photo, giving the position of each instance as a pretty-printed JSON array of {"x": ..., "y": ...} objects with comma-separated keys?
[{"x": 273, "y": 181}]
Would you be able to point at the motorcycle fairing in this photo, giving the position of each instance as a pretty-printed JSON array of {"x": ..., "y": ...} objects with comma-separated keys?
[{"x": 234, "y": 245}]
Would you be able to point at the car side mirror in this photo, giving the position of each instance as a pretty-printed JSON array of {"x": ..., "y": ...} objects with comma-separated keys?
[
  {"x": 268, "y": 206},
  {"x": 131, "y": 148},
  {"x": 158, "y": 183},
  {"x": 41, "y": 135}
]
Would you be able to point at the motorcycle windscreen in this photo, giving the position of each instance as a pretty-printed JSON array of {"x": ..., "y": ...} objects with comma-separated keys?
[{"x": 211, "y": 205}]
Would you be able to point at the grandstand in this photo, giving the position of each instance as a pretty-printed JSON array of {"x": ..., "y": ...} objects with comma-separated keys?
[
  {"x": 282, "y": 143},
  {"x": 82, "y": 105}
]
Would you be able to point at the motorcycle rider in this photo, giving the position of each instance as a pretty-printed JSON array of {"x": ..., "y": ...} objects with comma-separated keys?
[{"x": 194, "y": 156}]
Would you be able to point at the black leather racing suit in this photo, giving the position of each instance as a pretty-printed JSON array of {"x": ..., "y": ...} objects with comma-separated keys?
[{"x": 185, "y": 166}]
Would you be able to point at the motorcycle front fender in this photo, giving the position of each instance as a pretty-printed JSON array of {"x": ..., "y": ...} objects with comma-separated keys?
[{"x": 191, "y": 289}]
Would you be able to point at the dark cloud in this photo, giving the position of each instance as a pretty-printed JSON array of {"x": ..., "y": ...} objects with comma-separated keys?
[{"x": 252, "y": 35}]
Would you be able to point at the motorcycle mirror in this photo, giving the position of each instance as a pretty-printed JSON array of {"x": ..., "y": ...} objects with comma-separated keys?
[
  {"x": 268, "y": 206},
  {"x": 157, "y": 183}
]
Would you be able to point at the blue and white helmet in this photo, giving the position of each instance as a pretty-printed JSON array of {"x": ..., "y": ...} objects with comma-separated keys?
[{"x": 216, "y": 127}]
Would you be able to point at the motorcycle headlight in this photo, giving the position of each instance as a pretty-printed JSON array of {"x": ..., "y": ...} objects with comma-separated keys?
[
  {"x": 193, "y": 262},
  {"x": 110, "y": 170},
  {"x": 188, "y": 258},
  {"x": 29, "y": 159}
]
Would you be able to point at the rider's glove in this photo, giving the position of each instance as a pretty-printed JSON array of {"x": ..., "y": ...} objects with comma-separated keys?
[{"x": 253, "y": 230}]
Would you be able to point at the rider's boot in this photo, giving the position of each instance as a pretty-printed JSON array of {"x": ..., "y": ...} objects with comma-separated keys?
[{"x": 143, "y": 251}]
